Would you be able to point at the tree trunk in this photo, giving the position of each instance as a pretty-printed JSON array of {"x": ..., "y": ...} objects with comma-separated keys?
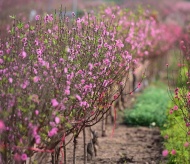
[
  {"x": 74, "y": 149},
  {"x": 103, "y": 126},
  {"x": 84, "y": 142},
  {"x": 134, "y": 81},
  {"x": 64, "y": 149}
]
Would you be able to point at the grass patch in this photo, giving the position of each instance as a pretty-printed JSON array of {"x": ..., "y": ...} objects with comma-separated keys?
[{"x": 150, "y": 107}]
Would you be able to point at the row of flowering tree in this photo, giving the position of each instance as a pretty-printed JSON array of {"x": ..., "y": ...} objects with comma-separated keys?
[
  {"x": 145, "y": 36},
  {"x": 56, "y": 77},
  {"x": 62, "y": 75},
  {"x": 177, "y": 131}
]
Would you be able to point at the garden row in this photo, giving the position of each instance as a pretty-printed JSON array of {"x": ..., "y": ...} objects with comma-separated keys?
[{"x": 61, "y": 75}]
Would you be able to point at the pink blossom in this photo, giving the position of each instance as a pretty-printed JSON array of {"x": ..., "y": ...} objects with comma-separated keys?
[
  {"x": 2, "y": 125},
  {"x": 110, "y": 47},
  {"x": 54, "y": 102},
  {"x": 52, "y": 132},
  {"x": 23, "y": 54},
  {"x": 108, "y": 11},
  {"x": 37, "y": 139},
  {"x": 46, "y": 64},
  {"x": 8, "y": 51},
  {"x": 119, "y": 43},
  {"x": 80, "y": 72},
  {"x": 26, "y": 25},
  {"x": 146, "y": 52},
  {"x": 68, "y": 49},
  {"x": 17, "y": 157},
  {"x": 61, "y": 60},
  {"x": 105, "y": 83},
  {"x": 78, "y": 46},
  {"x": 57, "y": 120},
  {"x": 175, "y": 107},
  {"x": 45, "y": 73},
  {"x": 34, "y": 129},
  {"x": 186, "y": 144},
  {"x": 67, "y": 91},
  {"x": 1, "y": 61},
  {"x": 10, "y": 80},
  {"x": 52, "y": 124},
  {"x": 106, "y": 61},
  {"x": 78, "y": 97},
  {"x": 73, "y": 14},
  {"x": 24, "y": 39},
  {"x": 82, "y": 81},
  {"x": 90, "y": 66},
  {"x": 173, "y": 152},
  {"x": 36, "y": 112},
  {"x": 35, "y": 71},
  {"x": 48, "y": 18},
  {"x": 188, "y": 124},
  {"x": 36, "y": 79},
  {"x": 25, "y": 84},
  {"x": 166, "y": 136},
  {"x": 182, "y": 44},
  {"x": 35, "y": 98},
  {"x": 39, "y": 51},
  {"x": 88, "y": 87},
  {"x": 36, "y": 42},
  {"x": 24, "y": 157},
  {"x": 37, "y": 17},
  {"x": 68, "y": 83},
  {"x": 165, "y": 153},
  {"x": 84, "y": 103},
  {"x": 1, "y": 52},
  {"x": 65, "y": 70},
  {"x": 95, "y": 55},
  {"x": 171, "y": 111}
]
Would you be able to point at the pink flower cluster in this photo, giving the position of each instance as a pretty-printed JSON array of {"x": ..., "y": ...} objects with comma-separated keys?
[{"x": 53, "y": 74}]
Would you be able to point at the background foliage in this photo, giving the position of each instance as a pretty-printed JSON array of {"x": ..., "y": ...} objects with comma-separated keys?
[{"x": 150, "y": 107}]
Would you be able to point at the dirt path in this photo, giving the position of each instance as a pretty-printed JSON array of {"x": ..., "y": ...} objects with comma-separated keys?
[{"x": 130, "y": 145}]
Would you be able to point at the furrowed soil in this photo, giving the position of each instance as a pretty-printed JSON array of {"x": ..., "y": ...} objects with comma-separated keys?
[{"x": 130, "y": 145}]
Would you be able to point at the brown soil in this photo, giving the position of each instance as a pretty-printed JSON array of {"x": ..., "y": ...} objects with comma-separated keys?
[
  {"x": 123, "y": 144},
  {"x": 130, "y": 145}
]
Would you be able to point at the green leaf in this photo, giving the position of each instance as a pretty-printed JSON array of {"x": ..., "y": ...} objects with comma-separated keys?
[
  {"x": 12, "y": 16},
  {"x": 46, "y": 41},
  {"x": 69, "y": 126},
  {"x": 12, "y": 30},
  {"x": 32, "y": 27},
  {"x": 54, "y": 42},
  {"x": 10, "y": 90},
  {"x": 20, "y": 25}
]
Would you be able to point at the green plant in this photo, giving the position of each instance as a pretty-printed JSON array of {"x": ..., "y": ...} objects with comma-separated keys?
[
  {"x": 176, "y": 138},
  {"x": 182, "y": 78},
  {"x": 149, "y": 108}
]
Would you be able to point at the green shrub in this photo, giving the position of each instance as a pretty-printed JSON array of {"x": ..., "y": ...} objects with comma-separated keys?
[
  {"x": 175, "y": 134},
  {"x": 182, "y": 77},
  {"x": 149, "y": 108}
]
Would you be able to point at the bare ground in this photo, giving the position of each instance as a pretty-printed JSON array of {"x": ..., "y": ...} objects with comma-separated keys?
[
  {"x": 130, "y": 145},
  {"x": 123, "y": 144}
]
